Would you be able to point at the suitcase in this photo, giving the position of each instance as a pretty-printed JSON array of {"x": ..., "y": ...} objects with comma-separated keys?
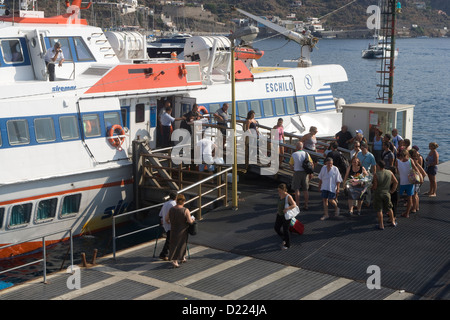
[{"x": 296, "y": 226}]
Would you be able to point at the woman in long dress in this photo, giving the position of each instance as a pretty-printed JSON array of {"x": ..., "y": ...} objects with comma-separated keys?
[{"x": 179, "y": 218}]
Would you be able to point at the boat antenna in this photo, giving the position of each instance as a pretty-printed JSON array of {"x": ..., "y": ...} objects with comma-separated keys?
[{"x": 305, "y": 40}]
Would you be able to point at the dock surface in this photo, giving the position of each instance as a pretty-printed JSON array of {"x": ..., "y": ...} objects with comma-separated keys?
[{"x": 237, "y": 256}]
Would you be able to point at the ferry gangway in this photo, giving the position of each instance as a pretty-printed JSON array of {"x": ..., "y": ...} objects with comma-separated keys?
[
  {"x": 197, "y": 211},
  {"x": 44, "y": 252}
]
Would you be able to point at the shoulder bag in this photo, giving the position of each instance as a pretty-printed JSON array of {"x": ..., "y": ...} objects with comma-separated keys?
[
  {"x": 193, "y": 227},
  {"x": 414, "y": 177},
  {"x": 292, "y": 213}
]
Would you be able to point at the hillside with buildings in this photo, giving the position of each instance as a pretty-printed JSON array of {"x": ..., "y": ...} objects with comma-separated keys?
[{"x": 417, "y": 18}]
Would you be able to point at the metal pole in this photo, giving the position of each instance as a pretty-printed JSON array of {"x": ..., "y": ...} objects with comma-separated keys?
[
  {"x": 392, "y": 57},
  {"x": 71, "y": 251},
  {"x": 233, "y": 126},
  {"x": 44, "y": 258},
  {"x": 114, "y": 237}
]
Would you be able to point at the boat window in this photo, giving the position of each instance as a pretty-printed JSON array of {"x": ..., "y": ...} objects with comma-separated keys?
[
  {"x": 18, "y": 132},
  {"x": 69, "y": 127},
  {"x": 140, "y": 113},
  {"x": 20, "y": 214},
  {"x": 111, "y": 118},
  {"x": 2, "y": 214},
  {"x": 65, "y": 46},
  {"x": 242, "y": 109},
  {"x": 46, "y": 209},
  {"x": 44, "y": 129},
  {"x": 71, "y": 204},
  {"x": 301, "y": 104},
  {"x": 256, "y": 106},
  {"x": 91, "y": 125},
  {"x": 279, "y": 107},
  {"x": 83, "y": 52},
  {"x": 401, "y": 123},
  {"x": 311, "y": 103},
  {"x": 12, "y": 51},
  {"x": 267, "y": 106},
  {"x": 290, "y": 105},
  {"x": 213, "y": 107}
]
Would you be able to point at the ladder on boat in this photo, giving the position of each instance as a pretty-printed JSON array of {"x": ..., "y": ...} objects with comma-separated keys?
[{"x": 388, "y": 28}]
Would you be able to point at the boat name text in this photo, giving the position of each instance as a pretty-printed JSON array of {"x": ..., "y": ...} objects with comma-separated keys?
[
  {"x": 61, "y": 89},
  {"x": 279, "y": 87}
]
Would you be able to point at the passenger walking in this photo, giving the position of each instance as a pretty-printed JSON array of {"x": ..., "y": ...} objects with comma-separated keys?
[
  {"x": 329, "y": 182},
  {"x": 163, "y": 214},
  {"x": 355, "y": 169},
  {"x": 309, "y": 141},
  {"x": 356, "y": 149},
  {"x": 179, "y": 218},
  {"x": 343, "y": 137},
  {"x": 378, "y": 144},
  {"x": 432, "y": 161},
  {"x": 367, "y": 159},
  {"x": 281, "y": 223},
  {"x": 404, "y": 166},
  {"x": 387, "y": 156},
  {"x": 280, "y": 135},
  {"x": 415, "y": 157},
  {"x": 166, "y": 123},
  {"x": 384, "y": 183},
  {"x": 300, "y": 179},
  {"x": 222, "y": 117},
  {"x": 396, "y": 138}
]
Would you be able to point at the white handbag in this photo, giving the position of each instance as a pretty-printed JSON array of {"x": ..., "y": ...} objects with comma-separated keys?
[{"x": 292, "y": 213}]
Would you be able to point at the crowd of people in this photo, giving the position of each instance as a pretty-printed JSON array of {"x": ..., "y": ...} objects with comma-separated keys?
[
  {"x": 381, "y": 178},
  {"x": 379, "y": 175}
]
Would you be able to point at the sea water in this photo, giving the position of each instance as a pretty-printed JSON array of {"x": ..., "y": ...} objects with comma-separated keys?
[{"x": 421, "y": 78}]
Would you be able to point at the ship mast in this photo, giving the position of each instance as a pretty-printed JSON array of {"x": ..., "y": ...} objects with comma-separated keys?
[{"x": 389, "y": 8}]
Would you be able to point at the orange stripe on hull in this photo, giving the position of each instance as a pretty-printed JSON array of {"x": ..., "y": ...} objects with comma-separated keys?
[
  {"x": 142, "y": 77},
  {"x": 59, "y": 193},
  {"x": 24, "y": 248}
]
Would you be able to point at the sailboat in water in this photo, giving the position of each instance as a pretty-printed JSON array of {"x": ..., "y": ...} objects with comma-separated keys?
[{"x": 379, "y": 49}]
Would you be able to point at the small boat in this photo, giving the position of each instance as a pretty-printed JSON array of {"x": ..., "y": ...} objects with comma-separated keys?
[
  {"x": 378, "y": 50},
  {"x": 164, "y": 47},
  {"x": 244, "y": 53}
]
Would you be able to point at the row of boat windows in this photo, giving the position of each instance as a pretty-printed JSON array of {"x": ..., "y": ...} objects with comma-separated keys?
[
  {"x": 45, "y": 210},
  {"x": 271, "y": 107},
  {"x": 14, "y": 52},
  {"x": 27, "y": 131}
]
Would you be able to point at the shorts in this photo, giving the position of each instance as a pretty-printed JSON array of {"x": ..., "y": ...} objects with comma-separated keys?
[
  {"x": 382, "y": 201},
  {"x": 300, "y": 181},
  {"x": 328, "y": 194},
  {"x": 409, "y": 188},
  {"x": 432, "y": 170}
]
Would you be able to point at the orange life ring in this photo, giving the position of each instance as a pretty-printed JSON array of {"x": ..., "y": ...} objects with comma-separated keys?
[
  {"x": 116, "y": 141},
  {"x": 202, "y": 109}
]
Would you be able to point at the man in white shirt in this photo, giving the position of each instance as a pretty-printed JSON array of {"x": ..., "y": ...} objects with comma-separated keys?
[
  {"x": 51, "y": 57},
  {"x": 329, "y": 182},
  {"x": 206, "y": 147},
  {"x": 300, "y": 179},
  {"x": 163, "y": 213},
  {"x": 396, "y": 138},
  {"x": 166, "y": 123}
]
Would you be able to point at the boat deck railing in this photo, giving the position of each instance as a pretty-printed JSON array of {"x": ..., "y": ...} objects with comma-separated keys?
[{"x": 44, "y": 252}]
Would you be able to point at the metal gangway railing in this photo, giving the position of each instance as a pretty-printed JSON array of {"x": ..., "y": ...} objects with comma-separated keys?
[
  {"x": 197, "y": 211},
  {"x": 44, "y": 252}
]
